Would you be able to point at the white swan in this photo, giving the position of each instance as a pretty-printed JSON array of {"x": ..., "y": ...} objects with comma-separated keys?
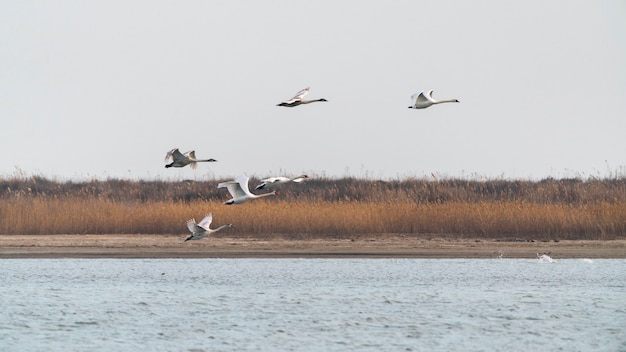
[
  {"x": 422, "y": 101},
  {"x": 179, "y": 159},
  {"x": 298, "y": 99},
  {"x": 240, "y": 192},
  {"x": 201, "y": 229},
  {"x": 545, "y": 258},
  {"x": 274, "y": 182}
]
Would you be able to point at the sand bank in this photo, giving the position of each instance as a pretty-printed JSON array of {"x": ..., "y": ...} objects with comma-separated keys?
[{"x": 172, "y": 246}]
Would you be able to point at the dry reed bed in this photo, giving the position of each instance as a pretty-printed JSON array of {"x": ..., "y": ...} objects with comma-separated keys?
[
  {"x": 320, "y": 219},
  {"x": 319, "y": 208}
]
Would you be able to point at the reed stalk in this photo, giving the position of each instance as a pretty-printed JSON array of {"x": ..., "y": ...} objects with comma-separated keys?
[{"x": 320, "y": 219}]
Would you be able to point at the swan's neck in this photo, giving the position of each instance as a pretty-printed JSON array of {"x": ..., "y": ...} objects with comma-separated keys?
[
  {"x": 299, "y": 179},
  {"x": 311, "y": 101},
  {"x": 273, "y": 193},
  {"x": 446, "y": 101},
  {"x": 222, "y": 227}
]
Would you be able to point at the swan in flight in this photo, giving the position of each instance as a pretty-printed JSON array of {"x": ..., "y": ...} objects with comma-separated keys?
[
  {"x": 239, "y": 191},
  {"x": 201, "y": 229},
  {"x": 274, "y": 182},
  {"x": 298, "y": 99},
  {"x": 422, "y": 101},
  {"x": 179, "y": 159}
]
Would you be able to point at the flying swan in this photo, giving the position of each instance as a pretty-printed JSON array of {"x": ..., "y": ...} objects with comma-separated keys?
[
  {"x": 274, "y": 182},
  {"x": 239, "y": 191},
  {"x": 201, "y": 229},
  {"x": 179, "y": 159},
  {"x": 298, "y": 99},
  {"x": 422, "y": 101}
]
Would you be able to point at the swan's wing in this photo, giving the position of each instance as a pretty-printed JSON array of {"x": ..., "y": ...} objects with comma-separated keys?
[
  {"x": 302, "y": 93},
  {"x": 298, "y": 95},
  {"x": 206, "y": 222},
  {"x": 429, "y": 96},
  {"x": 243, "y": 184},
  {"x": 224, "y": 184},
  {"x": 273, "y": 179},
  {"x": 193, "y": 227},
  {"x": 191, "y": 154},
  {"x": 234, "y": 188},
  {"x": 419, "y": 98},
  {"x": 177, "y": 155},
  {"x": 272, "y": 182},
  {"x": 191, "y": 224},
  {"x": 172, "y": 154}
]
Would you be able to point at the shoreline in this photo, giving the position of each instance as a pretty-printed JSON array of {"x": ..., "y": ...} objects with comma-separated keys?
[{"x": 383, "y": 246}]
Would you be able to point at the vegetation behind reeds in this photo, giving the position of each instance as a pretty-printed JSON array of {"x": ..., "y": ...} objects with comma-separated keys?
[{"x": 319, "y": 208}]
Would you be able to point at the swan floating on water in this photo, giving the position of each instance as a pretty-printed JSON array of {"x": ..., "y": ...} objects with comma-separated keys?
[
  {"x": 422, "y": 101},
  {"x": 238, "y": 189},
  {"x": 201, "y": 230},
  {"x": 274, "y": 182},
  {"x": 298, "y": 99},
  {"x": 179, "y": 159},
  {"x": 545, "y": 258}
]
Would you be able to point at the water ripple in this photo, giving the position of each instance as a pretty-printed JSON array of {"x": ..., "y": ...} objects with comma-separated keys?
[{"x": 311, "y": 305}]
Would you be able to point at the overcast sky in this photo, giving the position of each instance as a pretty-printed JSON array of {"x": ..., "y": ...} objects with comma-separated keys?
[{"x": 102, "y": 89}]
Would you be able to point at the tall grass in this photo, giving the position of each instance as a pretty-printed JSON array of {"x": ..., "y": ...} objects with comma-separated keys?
[{"x": 345, "y": 208}]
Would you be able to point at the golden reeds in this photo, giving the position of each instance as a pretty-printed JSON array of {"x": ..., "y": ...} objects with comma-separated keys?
[
  {"x": 322, "y": 219},
  {"x": 338, "y": 209}
]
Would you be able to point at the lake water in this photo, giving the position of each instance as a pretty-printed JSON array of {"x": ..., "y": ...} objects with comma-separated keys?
[{"x": 312, "y": 305}]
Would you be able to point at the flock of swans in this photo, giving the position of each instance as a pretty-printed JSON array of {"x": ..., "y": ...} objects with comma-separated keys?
[
  {"x": 239, "y": 191},
  {"x": 238, "y": 188}
]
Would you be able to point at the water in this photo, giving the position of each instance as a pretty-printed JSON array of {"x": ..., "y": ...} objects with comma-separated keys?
[{"x": 312, "y": 305}]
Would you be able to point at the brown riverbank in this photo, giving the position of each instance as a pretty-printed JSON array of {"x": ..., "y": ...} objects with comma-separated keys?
[{"x": 172, "y": 246}]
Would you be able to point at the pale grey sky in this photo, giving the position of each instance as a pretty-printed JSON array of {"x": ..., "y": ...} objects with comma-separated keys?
[{"x": 98, "y": 89}]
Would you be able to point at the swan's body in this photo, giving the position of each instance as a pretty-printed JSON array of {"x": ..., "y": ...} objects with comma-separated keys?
[
  {"x": 240, "y": 192},
  {"x": 545, "y": 258},
  {"x": 201, "y": 229},
  {"x": 179, "y": 159},
  {"x": 298, "y": 99},
  {"x": 422, "y": 101},
  {"x": 274, "y": 182}
]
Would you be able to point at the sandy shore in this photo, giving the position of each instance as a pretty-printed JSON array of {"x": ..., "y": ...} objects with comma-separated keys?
[{"x": 172, "y": 246}]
